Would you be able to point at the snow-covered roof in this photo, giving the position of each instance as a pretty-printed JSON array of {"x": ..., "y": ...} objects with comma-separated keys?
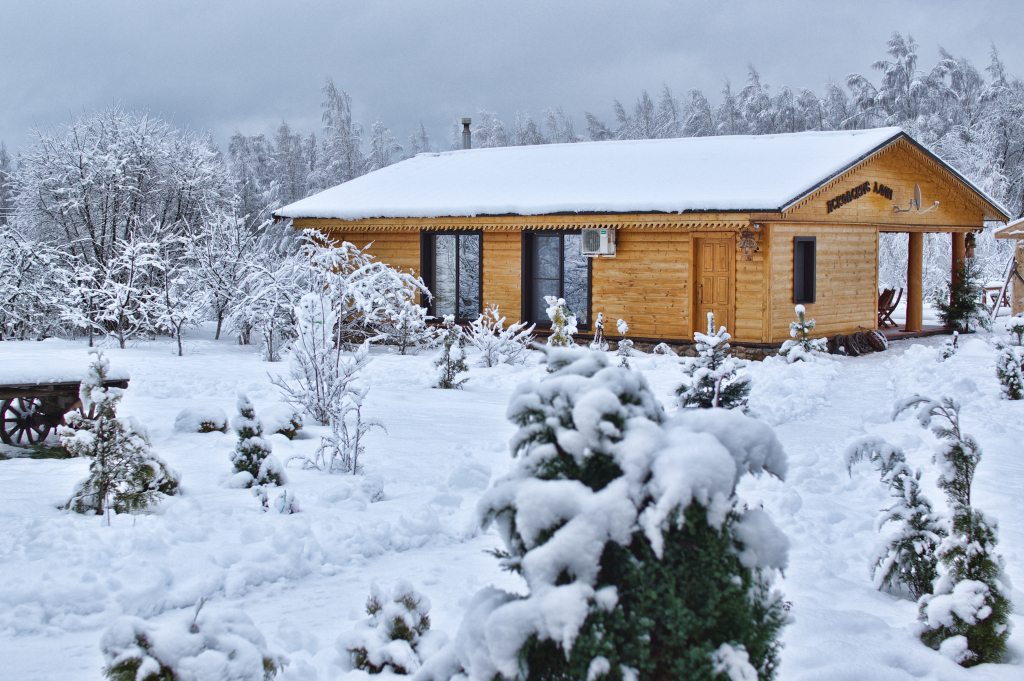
[
  {"x": 727, "y": 173},
  {"x": 1014, "y": 230}
]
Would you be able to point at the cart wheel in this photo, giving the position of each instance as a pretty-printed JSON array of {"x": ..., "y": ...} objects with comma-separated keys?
[{"x": 22, "y": 421}]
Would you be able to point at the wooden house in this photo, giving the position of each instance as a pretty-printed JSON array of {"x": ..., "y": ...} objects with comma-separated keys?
[
  {"x": 1015, "y": 230},
  {"x": 744, "y": 227}
]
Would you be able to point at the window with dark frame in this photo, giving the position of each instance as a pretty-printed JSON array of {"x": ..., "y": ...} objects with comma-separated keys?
[
  {"x": 554, "y": 265},
  {"x": 451, "y": 267},
  {"x": 804, "y": 269}
]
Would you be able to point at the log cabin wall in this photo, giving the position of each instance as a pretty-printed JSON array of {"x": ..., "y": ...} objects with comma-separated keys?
[
  {"x": 846, "y": 293},
  {"x": 503, "y": 273}
]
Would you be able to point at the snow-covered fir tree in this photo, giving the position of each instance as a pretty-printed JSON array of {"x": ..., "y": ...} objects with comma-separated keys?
[
  {"x": 451, "y": 360},
  {"x": 711, "y": 377},
  {"x": 563, "y": 322},
  {"x": 193, "y": 646},
  {"x": 802, "y": 348},
  {"x": 967, "y": 615},
  {"x": 1010, "y": 360},
  {"x": 252, "y": 453},
  {"x": 496, "y": 343},
  {"x": 950, "y": 347},
  {"x": 390, "y": 638},
  {"x": 599, "y": 343},
  {"x": 958, "y": 305},
  {"x": 625, "y": 350},
  {"x": 124, "y": 474},
  {"x": 638, "y": 558},
  {"x": 910, "y": 556}
]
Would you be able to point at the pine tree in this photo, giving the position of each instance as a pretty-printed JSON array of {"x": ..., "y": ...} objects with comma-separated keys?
[
  {"x": 801, "y": 348},
  {"x": 958, "y": 305},
  {"x": 625, "y": 350},
  {"x": 390, "y": 638},
  {"x": 968, "y": 613},
  {"x": 563, "y": 322},
  {"x": 629, "y": 575},
  {"x": 124, "y": 475},
  {"x": 711, "y": 375},
  {"x": 451, "y": 361},
  {"x": 910, "y": 557},
  {"x": 950, "y": 347},
  {"x": 1010, "y": 361},
  {"x": 599, "y": 343},
  {"x": 252, "y": 453},
  {"x": 497, "y": 344}
]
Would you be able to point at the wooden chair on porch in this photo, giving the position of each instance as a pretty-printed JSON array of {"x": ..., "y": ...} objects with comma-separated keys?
[{"x": 887, "y": 305}]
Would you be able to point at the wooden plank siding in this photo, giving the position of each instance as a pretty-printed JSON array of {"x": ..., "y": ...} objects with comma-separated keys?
[
  {"x": 846, "y": 296},
  {"x": 503, "y": 275},
  {"x": 647, "y": 283}
]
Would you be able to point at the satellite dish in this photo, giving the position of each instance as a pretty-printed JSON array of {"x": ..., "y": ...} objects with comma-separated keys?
[
  {"x": 917, "y": 196},
  {"x": 915, "y": 203}
]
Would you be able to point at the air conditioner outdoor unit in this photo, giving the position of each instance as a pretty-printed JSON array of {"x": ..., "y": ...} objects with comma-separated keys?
[{"x": 599, "y": 242}]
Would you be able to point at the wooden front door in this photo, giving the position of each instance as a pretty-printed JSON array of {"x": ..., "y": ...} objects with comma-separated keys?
[{"x": 713, "y": 283}]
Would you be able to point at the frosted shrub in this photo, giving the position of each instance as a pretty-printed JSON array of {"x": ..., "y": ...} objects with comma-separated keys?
[
  {"x": 286, "y": 503},
  {"x": 801, "y": 348},
  {"x": 281, "y": 418},
  {"x": 968, "y": 611},
  {"x": 711, "y": 377},
  {"x": 625, "y": 526},
  {"x": 909, "y": 557},
  {"x": 316, "y": 357},
  {"x": 201, "y": 419},
  {"x": 340, "y": 451},
  {"x": 625, "y": 345},
  {"x": 599, "y": 343},
  {"x": 252, "y": 453},
  {"x": 498, "y": 345},
  {"x": 203, "y": 646},
  {"x": 390, "y": 639},
  {"x": 1010, "y": 361},
  {"x": 408, "y": 329},
  {"x": 950, "y": 347},
  {"x": 563, "y": 322},
  {"x": 124, "y": 475},
  {"x": 451, "y": 361},
  {"x": 664, "y": 349}
]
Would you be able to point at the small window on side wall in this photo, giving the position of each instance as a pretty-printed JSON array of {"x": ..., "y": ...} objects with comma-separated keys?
[{"x": 804, "y": 269}]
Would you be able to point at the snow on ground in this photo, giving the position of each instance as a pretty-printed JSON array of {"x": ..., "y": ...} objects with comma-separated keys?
[{"x": 304, "y": 578}]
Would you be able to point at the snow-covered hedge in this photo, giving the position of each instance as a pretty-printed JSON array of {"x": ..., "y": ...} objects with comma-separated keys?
[
  {"x": 201, "y": 419},
  {"x": 281, "y": 418},
  {"x": 205, "y": 646}
]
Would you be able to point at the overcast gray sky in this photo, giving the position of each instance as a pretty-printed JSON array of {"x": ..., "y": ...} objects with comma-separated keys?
[{"x": 246, "y": 65}]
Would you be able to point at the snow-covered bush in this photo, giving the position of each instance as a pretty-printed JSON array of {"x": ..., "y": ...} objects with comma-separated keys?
[
  {"x": 639, "y": 559},
  {"x": 390, "y": 638},
  {"x": 910, "y": 556},
  {"x": 625, "y": 345},
  {"x": 801, "y": 348},
  {"x": 451, "y": 361},
  {"x": 1010, "y": 361},
  {"x": 281, "y": 418},
  {"x": 950, "y": 347},
  {"x": 663, "y": 349},
  {"x": 203, "y": 418},
  {"x": 599, "y": 343},
  {"x": 124, "y": 475},
  {"x": 498, "y": 345},
  {"x": 563, "y": 322},
  {"x": 408, "y": 329},
  {"x": 252, "y": 453},
  {"x": 711, "y": 378},
  {"x": 287, "y": 503},
  {"x": 205, "y": 646},
  {"x": 971, "y": 597}
]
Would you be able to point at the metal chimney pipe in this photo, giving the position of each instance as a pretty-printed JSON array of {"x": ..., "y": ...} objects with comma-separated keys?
[{"x": 467, "y": 136}]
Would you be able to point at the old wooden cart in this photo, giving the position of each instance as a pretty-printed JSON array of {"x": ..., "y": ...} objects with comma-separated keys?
[{"x": 29, "y": 411}]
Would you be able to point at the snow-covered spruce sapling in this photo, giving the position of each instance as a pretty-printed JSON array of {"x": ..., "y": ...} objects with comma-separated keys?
[
  {"x": 711, "y": 377},
  {"x": 451, "y": 361},
  {"x": 801, "y": 348},
  {"x": 497, "y": 344},
  {"x": 340, "y": 451},
  {"x": 635, "y": 550},
  {"x": 625, "y": 350},
  {"x": 390, "y": 638},
  {"x": 599, "y": 343},
  {"x": 124, "y": 475},
  {"x": 252, "y": 453},
  {"x": 408, "y": 330},
  {"x": 1010, "y": 361},
  {"x": 193, "y": 646},
  {"x": 959, "y": 305},
  {"x": 563, "y": 322},
  {"x": 910, "y": 556},
  {"x": 950, "y": 347},
  {"x": 967, "y": 615}
]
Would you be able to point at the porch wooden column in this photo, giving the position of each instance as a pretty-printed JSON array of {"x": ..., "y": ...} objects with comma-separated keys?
[
  {"x": 959, "y": 253},
  {"x": 1017, "y": 290},
  {"x": 915, "y": 301}
]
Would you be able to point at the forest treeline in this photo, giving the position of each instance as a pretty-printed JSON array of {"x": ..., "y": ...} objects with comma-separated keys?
[{"x": 77, "y": 198}]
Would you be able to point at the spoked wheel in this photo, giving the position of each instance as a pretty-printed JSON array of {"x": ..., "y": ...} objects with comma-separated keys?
[{"x": 22, "y": 421}]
